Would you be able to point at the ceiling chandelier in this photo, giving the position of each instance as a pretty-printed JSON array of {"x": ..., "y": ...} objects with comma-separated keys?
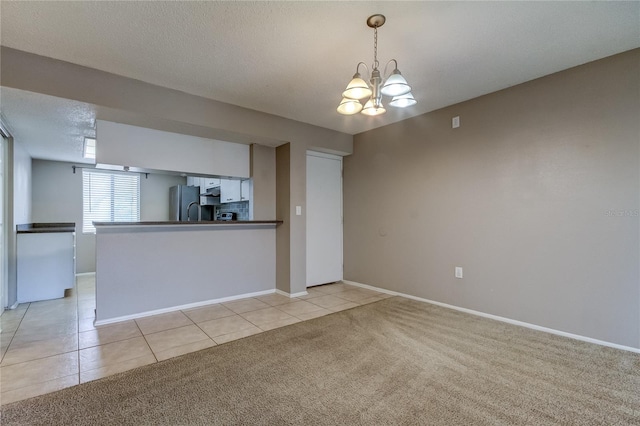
[{"x": 358, "y": 89}]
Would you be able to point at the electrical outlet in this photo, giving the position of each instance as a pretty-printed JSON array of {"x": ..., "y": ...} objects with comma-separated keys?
[
  {"x": 298, "y": 210},
  {"x": 458, "y": 272}
]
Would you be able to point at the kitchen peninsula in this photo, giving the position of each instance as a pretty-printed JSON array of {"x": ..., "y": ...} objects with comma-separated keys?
[{"x": 147, "y": 268}]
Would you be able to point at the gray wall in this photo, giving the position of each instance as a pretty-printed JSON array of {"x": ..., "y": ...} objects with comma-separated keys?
[
  {"x": 57, "y": 197},
  {"x": 154, "y": 195},
  {"x": 291, "y": 162},
  {"x": 19, "y": 209},
  {"x": 263, "y": 174},
  {"x": 536, "y": 196},
  {"x": 283, "y": 212}
]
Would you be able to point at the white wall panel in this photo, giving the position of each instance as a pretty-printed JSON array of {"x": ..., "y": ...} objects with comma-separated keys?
[{"x": 137, "y": 147}]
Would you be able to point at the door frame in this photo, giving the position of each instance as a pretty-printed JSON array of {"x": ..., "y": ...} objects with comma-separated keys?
[{"x": 341, "y": 160}]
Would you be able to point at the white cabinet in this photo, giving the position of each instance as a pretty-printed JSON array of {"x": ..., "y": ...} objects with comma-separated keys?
[
  {"x": 203, "y": 182},
  {"x": 230, "y": 190},
  {"x": 245, "y": 190},
  {"x": 196, "y": 181},
  {"x": 211, "y": 183},
  {"x": 46, "y": 265}
]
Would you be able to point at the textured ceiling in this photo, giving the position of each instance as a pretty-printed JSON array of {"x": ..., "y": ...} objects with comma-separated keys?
[
  {"x": 51, "y": 128},
  {"x": 293, "y": 59}
]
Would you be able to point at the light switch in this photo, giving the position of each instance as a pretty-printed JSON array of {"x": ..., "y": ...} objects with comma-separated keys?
[
  {"x": 455, "y": 122},
  {"x": 298, "y": 210},
  {"x": 458, "y": 272}
]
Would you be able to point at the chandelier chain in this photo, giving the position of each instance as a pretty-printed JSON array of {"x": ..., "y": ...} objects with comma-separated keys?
[{"x": 375, "y": 47}]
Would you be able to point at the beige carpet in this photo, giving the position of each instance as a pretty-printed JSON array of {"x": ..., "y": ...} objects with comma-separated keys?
[{"x": 396, "y": 361}]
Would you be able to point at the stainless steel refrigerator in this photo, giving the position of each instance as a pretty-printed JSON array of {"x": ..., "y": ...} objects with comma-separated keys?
[{"x": 180, "y": 197}]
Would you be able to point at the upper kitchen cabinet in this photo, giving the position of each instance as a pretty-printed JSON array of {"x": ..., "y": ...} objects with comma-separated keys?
[
  {"x": 230, "y": 190},
  {"x": 204, "y": 183},
  {"x": 210, "y": 183},
  {"x": 245, "y": 190},
  {"x": 193, "y": 181}
]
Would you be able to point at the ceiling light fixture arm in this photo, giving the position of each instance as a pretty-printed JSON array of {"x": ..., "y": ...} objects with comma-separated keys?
[
  {"x": 358, "y": 68},
  {"x": 384, "y": 74}
]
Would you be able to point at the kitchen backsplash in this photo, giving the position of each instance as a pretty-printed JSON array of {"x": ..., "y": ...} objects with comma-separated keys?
[{"x": 241, "y": 208}]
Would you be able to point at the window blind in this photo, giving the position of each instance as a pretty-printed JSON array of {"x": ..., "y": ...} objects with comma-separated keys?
[{"x": 109, "y": 197}]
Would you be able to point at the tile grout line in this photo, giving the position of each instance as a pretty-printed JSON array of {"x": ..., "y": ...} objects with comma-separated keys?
[
  {"x": 252, "y": 323},
  {"x": 295, "y": 316},
  {"x": 39, "y": 383},
  {"x": 212, "y": 339},
  {"x": 108, "y": 343},
  {"x": 15, "y": 332},
  {"x": 38, "y": 359},
  {"x": 209, "y": 337},
  {"x": 173, "y": 328},
  {"x": 108, "y": 365},
  {"x": 145, "y": 340}
]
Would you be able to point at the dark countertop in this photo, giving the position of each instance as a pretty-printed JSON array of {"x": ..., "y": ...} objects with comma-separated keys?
[
  {"x": 202, "y": 222},
  {"x": 41, "y": 228}
]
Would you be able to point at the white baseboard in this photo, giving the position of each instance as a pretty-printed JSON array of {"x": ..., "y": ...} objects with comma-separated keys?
[
  {"x": 291, "y": 295},
  {"x": 84, "y": 274},
  {"x": 499, "y": 318},
  {"x": 181, "y": 307}
]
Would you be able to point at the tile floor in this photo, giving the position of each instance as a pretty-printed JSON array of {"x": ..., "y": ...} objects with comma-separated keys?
[{"x": 50, "y": 345}]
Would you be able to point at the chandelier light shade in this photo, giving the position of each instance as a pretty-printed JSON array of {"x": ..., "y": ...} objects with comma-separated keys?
[
  {"x": 349, "y": 106},
  {"x": 357, "y": 87},
  {"x": 370, "y": 108},
  {"x": 358, "y": 90},
  {"x": 403, "y": 101},
  {"x": 395, "y": 85}
]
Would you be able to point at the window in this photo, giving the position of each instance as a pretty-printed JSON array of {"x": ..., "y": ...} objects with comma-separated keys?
[
  {"x": 89, "y": 150},
  {"x": 109, "y": 197}
]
